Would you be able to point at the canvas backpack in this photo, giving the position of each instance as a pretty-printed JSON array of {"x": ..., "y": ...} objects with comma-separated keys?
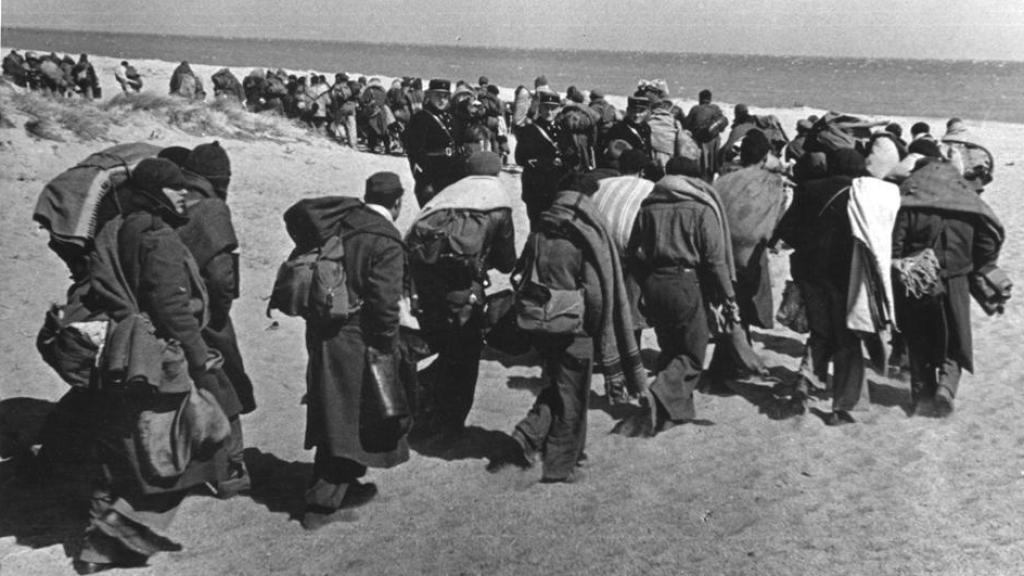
[
  {"x": 313, "y": 285},
  {"x": 451, "y": 243}
]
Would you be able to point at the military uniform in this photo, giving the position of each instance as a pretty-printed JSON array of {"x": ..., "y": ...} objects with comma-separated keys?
[{"x": 432, "y": 148}]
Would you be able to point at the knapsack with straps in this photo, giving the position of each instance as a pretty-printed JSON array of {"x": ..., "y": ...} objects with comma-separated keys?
[{"x": 313, "y": 285}]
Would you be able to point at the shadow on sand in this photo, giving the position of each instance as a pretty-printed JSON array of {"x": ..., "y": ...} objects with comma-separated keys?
[{"x": 46, "y": 471}]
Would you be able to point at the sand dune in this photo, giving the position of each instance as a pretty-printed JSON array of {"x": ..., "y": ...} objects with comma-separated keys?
[{"x": 744, "y": 494}]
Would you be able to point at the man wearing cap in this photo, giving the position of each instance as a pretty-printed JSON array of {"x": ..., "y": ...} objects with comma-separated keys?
[
  {"x": 210, "y": 237},
  {"x": 539, "y": 151},
  {"x": 633, "y": 128},
  {"x": 607, "y": 113},
  {"x": 349, "y": 439},
  {"x": 475, "y": 214},
  {"x": 430, "y": 144},
  {"x": 141, "y": 267}
]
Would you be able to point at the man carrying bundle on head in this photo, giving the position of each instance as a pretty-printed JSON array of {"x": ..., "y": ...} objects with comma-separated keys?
[
  {"x": 461, "y": 234},
  {"x": 430, "y": 143}
]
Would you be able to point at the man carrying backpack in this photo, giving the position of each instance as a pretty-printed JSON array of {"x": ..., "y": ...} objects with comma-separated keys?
[
  {"x": 460, "y": 234},
  {"x": 349, "y": 351}
]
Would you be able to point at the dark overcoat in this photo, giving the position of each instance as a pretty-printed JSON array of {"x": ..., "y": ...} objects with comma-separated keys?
[{"x": 338, "y": 421}]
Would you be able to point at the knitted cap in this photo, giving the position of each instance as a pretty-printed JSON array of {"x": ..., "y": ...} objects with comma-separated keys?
[
  {"x": 209, "y": 161},
  {"x": 154, "y": 174}
]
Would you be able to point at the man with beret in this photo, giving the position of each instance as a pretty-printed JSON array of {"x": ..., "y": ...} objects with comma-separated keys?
[
  {"x": 474, "y": 218},
  {"x": 210, "y": 236},
  {"x": 633, "y": 128},
  {"x": 141, "y": 267},
  {"x": 430, "y": 143},
  {"x": 540, "y": 152},
  {"x": 346, "y": 435}
]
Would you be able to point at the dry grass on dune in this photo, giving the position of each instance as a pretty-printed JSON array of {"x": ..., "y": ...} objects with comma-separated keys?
[
  {"x": 62, "y": 119},
  {"x": 226, "y": 118}
]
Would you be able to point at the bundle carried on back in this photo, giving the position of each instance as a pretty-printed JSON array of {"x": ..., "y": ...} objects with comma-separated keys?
[{"x": 73, "y": 207}]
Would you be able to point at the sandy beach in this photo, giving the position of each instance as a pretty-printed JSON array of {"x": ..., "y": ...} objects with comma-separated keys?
[{"x": 743, "y": 494}]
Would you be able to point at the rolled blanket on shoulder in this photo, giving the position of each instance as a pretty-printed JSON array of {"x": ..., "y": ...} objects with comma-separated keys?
[{"x": 616, "y": 346}]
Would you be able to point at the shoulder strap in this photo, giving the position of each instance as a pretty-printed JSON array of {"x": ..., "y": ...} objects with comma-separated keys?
[{"x": 832, "y": 199}]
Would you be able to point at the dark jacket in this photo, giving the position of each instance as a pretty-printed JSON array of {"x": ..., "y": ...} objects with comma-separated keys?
[
  {"x": 432, "y": 149},
  {"x": 818, "y": 228},
  {"x": 210, "y": 236},
  {"x": 540, "y": 155},
  {"x": 677, "y": 236},
  {"x": 942, "y": 325},
  {"x": 637, "y": 135}
]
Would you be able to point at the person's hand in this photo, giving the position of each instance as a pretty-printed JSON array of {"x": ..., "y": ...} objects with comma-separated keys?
[{"x": 731, "y": 311}]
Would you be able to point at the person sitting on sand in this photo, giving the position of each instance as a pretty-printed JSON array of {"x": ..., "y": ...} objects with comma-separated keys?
[{"x": 186, "y": 84}]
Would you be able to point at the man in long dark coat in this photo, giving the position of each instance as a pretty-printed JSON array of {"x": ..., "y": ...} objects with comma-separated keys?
[
  {"x": 210, "y": 236},
  {"x": 347, "y": 437},
  {"x": 539, "y": 153},
  {"x": 818, "y": 228},
  {"x": 140, "y": 265},
  {"x": 430, "y": 143},
  {"x": 940, "y": 210}
]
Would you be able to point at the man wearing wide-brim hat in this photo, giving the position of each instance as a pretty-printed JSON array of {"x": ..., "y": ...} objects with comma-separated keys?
[
  {"x": 540, "y": 152},
  {"x": 434, "y": 158}
]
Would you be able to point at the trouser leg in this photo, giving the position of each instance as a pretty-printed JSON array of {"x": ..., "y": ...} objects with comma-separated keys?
[
  {"x": 332, "y": 476},
  {"x": 949, "y": 377},
  {"x": 128, "y": 529},
  {"x": 849, "y": 389},
  {"x": 455, "y": 376},
  {"x": 682, "y": 359},
  {"x": 571, "y": 371}
]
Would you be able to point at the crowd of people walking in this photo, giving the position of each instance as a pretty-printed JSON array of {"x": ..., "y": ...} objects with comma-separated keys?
[{"x": 654, "y": 217}]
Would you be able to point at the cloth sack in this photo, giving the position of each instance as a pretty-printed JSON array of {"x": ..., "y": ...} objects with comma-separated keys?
[{"x": 793, "y": 312}]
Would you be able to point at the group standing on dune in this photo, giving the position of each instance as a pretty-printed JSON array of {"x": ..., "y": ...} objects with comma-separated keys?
[{"x": 654, "y": 217}]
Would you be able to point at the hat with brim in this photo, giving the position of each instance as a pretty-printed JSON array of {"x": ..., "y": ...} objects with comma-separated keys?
[
  {"x": 638, "y": 102},
  {"x": 438, "y": 85},
  {"x": 550, "y": 99}
]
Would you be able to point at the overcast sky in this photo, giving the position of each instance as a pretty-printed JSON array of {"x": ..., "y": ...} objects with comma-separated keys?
[{"x": 958, "y": 29}]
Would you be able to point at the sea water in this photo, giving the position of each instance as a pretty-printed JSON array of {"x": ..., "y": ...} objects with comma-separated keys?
[{"x": 976, "y": 90}]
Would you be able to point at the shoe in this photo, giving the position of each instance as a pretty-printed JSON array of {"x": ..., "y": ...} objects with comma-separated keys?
[
  {"x": 574, "y": 477},
  {"x": 943, "y": 404},
  {"x": 316, "y": 517},
  {"x": 515, "y": 456},
  {"x": 358, "y": 494},
  {"x": 238, "y": 481},
  {"x": 583, "y": 461},
  {"x": 838, "y": 418}
]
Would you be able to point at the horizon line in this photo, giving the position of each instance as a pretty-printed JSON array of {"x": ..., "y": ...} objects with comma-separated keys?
[{"x": 513, "y": 48}]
